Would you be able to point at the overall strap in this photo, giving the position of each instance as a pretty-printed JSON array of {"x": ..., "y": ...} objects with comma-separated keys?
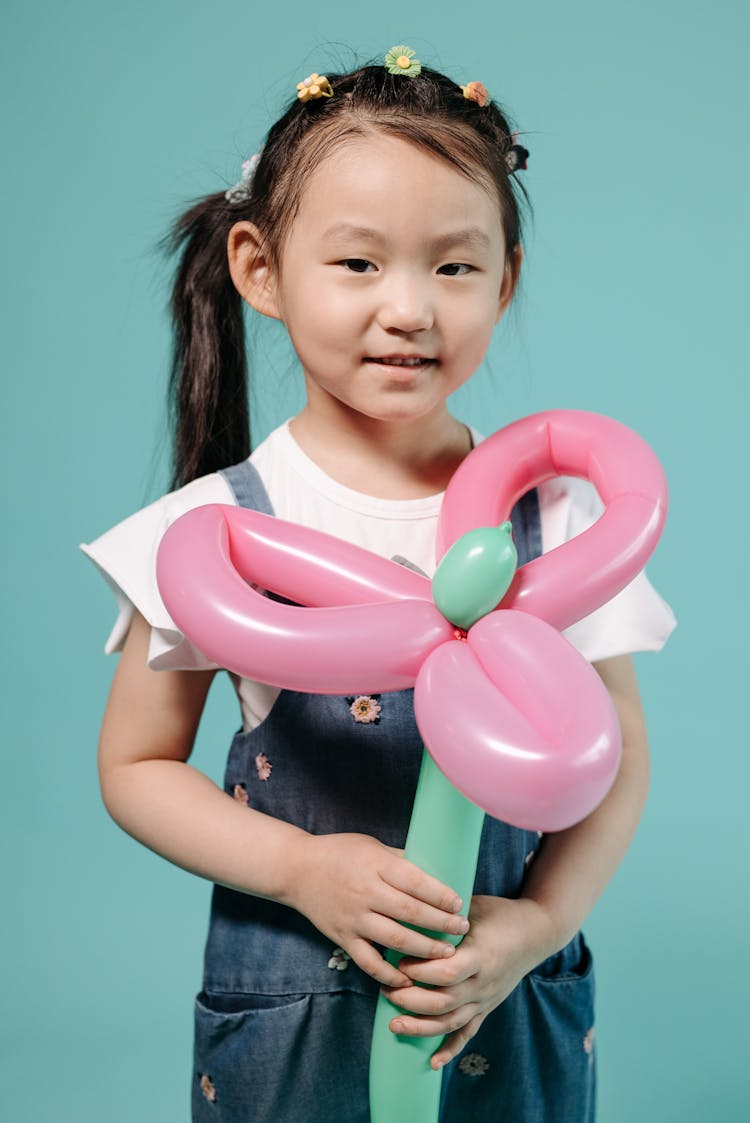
[
  {"x": 527, "y": 527},
  {"x": 247, "y": 487}
]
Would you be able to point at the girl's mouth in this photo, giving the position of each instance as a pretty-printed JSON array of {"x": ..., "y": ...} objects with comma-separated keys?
[{"x": 401, "y": 361}]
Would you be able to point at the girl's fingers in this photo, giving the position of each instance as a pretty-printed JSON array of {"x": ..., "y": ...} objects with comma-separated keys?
[
  {"x": 414, "y": 882},
  {"x": 423, "y": 1000},
  {"x": 410, "y": 910},
  {"x": 372, "y": 963},
  {"x": 441, "y": 972},
  {"x": 454, "y": 1042},
  {"x": 409, "y": 942},
  {"x": 407, "y": 1026}
]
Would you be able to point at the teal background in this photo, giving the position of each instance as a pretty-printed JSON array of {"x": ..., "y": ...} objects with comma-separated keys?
[{"x": 634, "y": 303}]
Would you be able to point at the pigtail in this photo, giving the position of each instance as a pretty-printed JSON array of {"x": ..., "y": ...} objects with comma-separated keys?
[{"x": 208, "y": 399}]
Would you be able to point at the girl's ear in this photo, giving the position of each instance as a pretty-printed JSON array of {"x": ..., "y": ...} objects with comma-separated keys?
[
  {"x": 251, "y": 270},
  {"x": 511, "y": 273}
]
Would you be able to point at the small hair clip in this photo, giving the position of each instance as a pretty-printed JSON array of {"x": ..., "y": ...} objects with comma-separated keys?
[
  {"x": 317, "y": 85},
  {"x": 476, "y": 91},
  {"x": 516, "y": 158},
  {"x": 242, "y": 190},
  {"x": 401, "y": 60}
]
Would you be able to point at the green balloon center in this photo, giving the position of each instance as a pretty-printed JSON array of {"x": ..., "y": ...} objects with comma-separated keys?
[{"x": 475, "y": 574}]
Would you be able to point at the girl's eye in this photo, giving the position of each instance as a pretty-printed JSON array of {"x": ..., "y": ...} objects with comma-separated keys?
[
  {"x": 455, "y": 269},
  {"x": 357, "y": 264}
]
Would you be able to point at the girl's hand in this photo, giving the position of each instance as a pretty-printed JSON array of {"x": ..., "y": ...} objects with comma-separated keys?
[
  {"x": 360, "y": 892},
  {"x": 507, "y": 939}
]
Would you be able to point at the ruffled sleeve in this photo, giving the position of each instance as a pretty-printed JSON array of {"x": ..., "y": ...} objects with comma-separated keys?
[
  {"x": 126, "y": 558},
  {"x": 637, "y": 619}
]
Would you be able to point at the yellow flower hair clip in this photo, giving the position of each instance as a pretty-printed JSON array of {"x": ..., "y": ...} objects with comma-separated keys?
[
  {"x": 401, "y": 60},
  {"x": 476, "y": 91},
  {"x": 317, "y": 85}
]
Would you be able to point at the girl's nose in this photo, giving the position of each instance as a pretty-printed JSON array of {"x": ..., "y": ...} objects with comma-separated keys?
[{"x": 405, "y": 306}]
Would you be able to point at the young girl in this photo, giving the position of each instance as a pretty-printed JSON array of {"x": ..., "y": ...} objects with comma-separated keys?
[{"x": 381, "y": 225}]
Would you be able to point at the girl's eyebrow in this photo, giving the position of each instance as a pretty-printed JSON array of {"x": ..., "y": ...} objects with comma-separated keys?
[
  {"x": 350, "y": 230},
  {"x": 472, "y": 236}
]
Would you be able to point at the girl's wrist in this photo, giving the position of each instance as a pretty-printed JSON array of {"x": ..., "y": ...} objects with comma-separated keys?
[
  {"x": 295, "y": 869},
  {"x": 551, "y": 932},
  {"x": 536, "y": 935},
  {"x": 544, "y": 936}
]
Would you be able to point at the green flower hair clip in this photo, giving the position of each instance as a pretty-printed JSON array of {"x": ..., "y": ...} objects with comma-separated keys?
[{"x": 401, "y": 60}]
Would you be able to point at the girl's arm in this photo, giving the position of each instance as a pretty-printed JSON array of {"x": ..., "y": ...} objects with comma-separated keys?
[
  {"x": 508, "y": 938},
  {"x": 351, "y": 887},
  {"x": 573, "y": 867}
]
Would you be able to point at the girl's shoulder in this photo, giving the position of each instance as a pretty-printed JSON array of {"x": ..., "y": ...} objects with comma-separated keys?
[
  {"x": 125, "y": 555},
  {"x": 638, "y": 618}
]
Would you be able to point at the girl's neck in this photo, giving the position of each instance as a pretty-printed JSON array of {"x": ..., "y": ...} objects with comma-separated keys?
[{"x": 390, "y": 460}]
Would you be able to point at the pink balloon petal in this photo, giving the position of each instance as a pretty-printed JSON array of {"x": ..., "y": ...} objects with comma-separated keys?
[
  {"x": 519, "y": 722},
  {"x": 569, "y": 582},
  {"x": 349, "y": 649},
  {"x": 310, "y": 567}
]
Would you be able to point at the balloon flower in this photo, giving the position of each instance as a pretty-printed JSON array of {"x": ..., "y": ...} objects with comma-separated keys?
[{"x": 516, "y": 723}]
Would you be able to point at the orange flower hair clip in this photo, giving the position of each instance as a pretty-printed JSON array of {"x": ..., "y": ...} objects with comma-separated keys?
[
  {"x": 315, "y": 86},
  {"x": 476, "y": 91}
]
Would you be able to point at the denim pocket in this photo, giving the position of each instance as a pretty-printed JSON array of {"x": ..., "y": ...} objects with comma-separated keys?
[
  {"x": 572, "y": 962},
  {"x": 560, "y": 1004},
  {"x": 221, "y": 1002},
  {"x": 532, "y": 1060},
  {"x": 236, "y": 1073},
  {"x": 280, "y": 1058}
]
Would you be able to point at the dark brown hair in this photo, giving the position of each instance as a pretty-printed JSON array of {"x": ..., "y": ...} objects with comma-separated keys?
[{"x": 208, "y": 380}]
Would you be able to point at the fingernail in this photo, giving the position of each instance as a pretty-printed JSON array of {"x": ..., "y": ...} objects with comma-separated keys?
[
  {"x": 447, "y": 949},
  {"x": 397, "y": 1027},
  {"x": 462, "y": 926},
  {"x": 458, "y": 904}
]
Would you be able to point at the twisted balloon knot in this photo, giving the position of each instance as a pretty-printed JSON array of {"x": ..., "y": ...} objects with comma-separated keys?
[{"x": 460, "y": 634}]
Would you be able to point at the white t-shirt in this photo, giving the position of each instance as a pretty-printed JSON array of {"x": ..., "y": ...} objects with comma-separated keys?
[{"x": 637, "y": 619}]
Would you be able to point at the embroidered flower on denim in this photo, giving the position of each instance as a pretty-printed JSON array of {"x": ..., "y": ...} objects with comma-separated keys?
[
  {"x": 365, "y": 708},
  {"x": 207, "y": 1087},
  {"x": 240, "y": 793},
  {"x": 473, "y": 1064},
  {"x": 588, "y": 1043},
  {"x": 263, "y": 766},
  {"x": 339, "y": 960}
]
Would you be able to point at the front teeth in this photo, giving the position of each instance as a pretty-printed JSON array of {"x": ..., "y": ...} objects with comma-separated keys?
[{"x": 403, "y": 362}]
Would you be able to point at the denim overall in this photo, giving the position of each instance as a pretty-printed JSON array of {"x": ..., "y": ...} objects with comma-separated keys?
[{"x": 284, "y": 1020}]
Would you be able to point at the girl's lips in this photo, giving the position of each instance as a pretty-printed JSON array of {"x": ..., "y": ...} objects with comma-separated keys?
[
  {"x": 397, "y": 372},
  {"x": 401, "y": 362}
]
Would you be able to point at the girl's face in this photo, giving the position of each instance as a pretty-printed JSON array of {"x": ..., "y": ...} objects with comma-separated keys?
[{"x": 391, "y": 280}]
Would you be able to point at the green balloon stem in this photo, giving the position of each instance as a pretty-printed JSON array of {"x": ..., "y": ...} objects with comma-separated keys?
[{"x": 443, "y": 840}]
